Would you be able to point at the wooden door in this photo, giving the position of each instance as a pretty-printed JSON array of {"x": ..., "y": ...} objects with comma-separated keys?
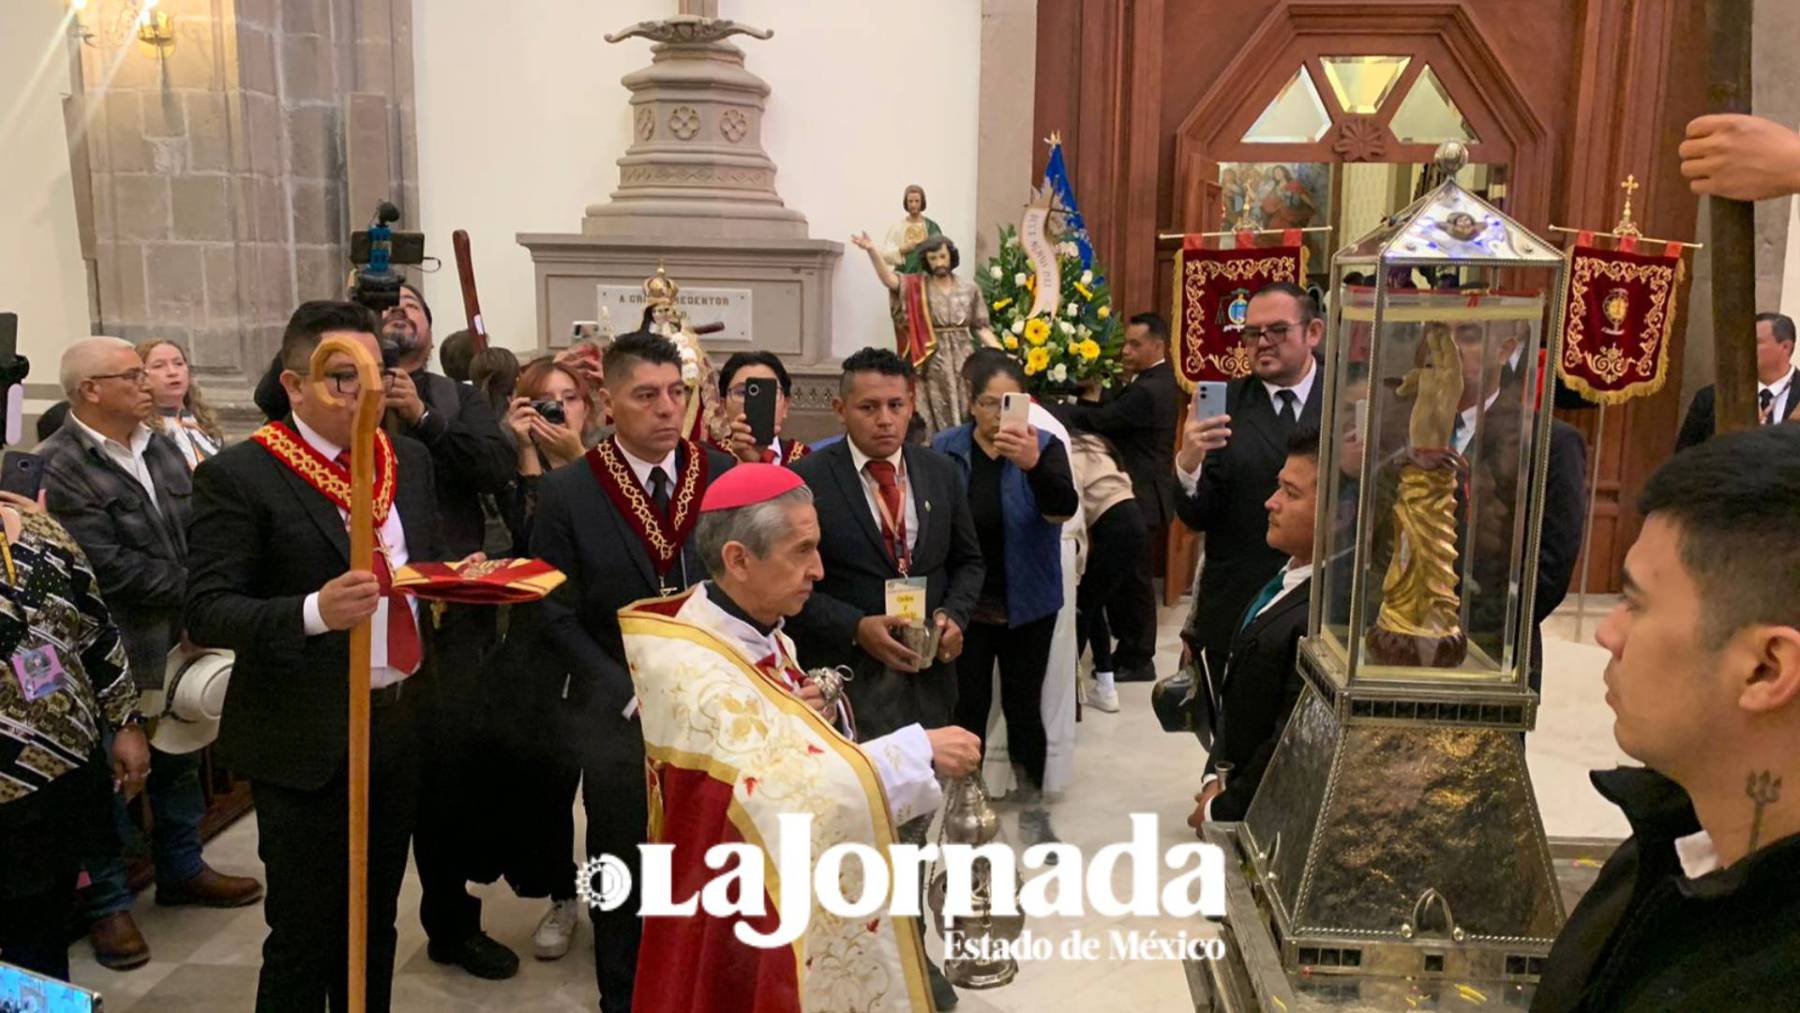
[{"x": 1568, "y": 95}]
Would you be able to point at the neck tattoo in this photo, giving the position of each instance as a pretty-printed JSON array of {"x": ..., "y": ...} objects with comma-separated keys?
[{"x": 1764, "y": 789}]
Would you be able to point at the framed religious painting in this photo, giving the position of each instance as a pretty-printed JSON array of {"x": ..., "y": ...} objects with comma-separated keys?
[{"x": 1279, "y": 195}]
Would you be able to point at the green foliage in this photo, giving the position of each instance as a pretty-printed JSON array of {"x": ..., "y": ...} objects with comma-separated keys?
[{"x": 1080, "y": 343}]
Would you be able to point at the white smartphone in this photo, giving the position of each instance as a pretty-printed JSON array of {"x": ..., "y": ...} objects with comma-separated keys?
[
  {"x": 1015, "y": 407},
  {"x": 1209, "y": 399}
]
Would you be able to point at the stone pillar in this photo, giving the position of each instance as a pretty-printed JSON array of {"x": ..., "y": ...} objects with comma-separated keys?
[
  {"x": 1008, "y": 97},
  {"x": 217, "y": 166}
]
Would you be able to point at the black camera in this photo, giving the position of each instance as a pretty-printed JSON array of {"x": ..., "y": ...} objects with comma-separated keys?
[
  {"x": 375, "y": 251},
  {"x": 552, "y": 411}
]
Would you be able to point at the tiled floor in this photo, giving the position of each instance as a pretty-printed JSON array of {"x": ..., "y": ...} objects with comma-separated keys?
[{"x": 207, "y": 960}]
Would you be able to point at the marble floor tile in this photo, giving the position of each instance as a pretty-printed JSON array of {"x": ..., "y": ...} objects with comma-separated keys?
[{"x": 207, "y": 960}]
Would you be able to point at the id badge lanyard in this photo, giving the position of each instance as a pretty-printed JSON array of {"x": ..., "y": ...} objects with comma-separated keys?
[{"x": 897, "y": 526}]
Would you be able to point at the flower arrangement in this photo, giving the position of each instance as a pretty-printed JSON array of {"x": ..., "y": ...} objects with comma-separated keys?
[{"x": 1080, "y": 343}]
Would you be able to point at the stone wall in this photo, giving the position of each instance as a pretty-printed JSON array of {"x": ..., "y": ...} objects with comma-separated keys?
[{"x": 217, "y": 164}]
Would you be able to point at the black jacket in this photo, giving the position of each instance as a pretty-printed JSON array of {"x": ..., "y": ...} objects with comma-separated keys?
[
  {"x": 1699, "y": 424},
  {"x": 857, "y": 570},
  {"x": 1645, "y": 937},
  {"x": 469, "y": 452},
  {"x": 138, "y": 549},
  {"x": 1141, "y": 421},
  {"x": 261, "y": 540},
  {"x": 578, "y": 530},
  {"x": 1227, "y": 507},
  {"x": 1253, "y": 695}
]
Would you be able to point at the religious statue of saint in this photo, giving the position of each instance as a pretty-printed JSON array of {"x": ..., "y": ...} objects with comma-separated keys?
[
  {"x": 663, "y": 317},
  {"x": 1420, "y": 607},
  {"x": 938, "y": 317},
  {"x": 901, "y": 247}
]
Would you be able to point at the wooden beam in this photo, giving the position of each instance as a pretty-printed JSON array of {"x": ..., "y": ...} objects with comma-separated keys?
[{"x": 1733, "y": 227}]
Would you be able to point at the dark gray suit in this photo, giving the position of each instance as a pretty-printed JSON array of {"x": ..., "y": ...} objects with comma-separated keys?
[
  {"x": 1698, "y": 425},
  {"x": 1255, "y": 691},
  {"x": 857, "y": 569}
]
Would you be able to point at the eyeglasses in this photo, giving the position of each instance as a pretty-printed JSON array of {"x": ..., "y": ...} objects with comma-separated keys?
[
  {"x": 1277, "y": 333},
  {"x": 349, "y": 382},
  {"x": 130, "y": 376},
  {"x": 988, "y": 404}
]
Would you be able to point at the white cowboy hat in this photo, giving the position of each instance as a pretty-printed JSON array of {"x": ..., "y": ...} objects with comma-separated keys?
[{"x": 194, "y": 695}]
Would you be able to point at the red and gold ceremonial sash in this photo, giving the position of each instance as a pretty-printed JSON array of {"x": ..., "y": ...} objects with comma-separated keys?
[
  {"x": 1620, "y": 311},
  {"x": 488, "y": 582},
  {"x": 914, "y": 337},
  {"x": 1212, "y": 294},
  {"x": 662, "y": 538},
  {"x": 322, "y": 473},
  {"x": 794, "y": 452}
]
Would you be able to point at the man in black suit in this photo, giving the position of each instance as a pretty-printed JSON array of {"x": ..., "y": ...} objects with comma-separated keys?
[
  {"x": 1486, "y": 432},
  {"x": 619, "y": 523},
  {"x": 867, "y": 544},
  {"x": 888, "y": 511},
  {"x": 1245, "y": 703},
  {"x": 1141, "y": 422},
  {"x": 1777, "y": 389},
  {"x": 268, "y": 577},
  {"x": 1228, "y": 463}
]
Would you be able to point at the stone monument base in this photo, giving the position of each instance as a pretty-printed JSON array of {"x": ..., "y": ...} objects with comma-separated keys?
[{"x": 788, "y": 281}]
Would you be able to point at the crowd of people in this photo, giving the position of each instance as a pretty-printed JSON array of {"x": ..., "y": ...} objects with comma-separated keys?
[{"x": 930, "y": 572}]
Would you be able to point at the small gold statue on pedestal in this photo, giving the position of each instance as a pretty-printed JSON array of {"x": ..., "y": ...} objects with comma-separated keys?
[{"x": 1419, "y": 619}]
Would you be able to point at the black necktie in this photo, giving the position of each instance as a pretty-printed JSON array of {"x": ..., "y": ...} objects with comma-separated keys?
[
  {"x": 1288, "y": 413},
  {"x": 659, "y": 492},
  {"x": 1765, "y": 398}
]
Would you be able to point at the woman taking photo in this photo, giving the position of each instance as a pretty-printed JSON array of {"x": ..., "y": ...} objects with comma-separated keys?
[
  {"x": 181, "y": 410},
  {"x": 1020, "y": 491},
  {"x": 553, "y": 420}
]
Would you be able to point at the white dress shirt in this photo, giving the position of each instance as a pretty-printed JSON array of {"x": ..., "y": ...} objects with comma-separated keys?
[
  {"x": 1782, "y": 397},
  {"x": 641, "y": 468},
  {"x": 902, "y": 758},
  {"x": 130, "y": 459},
  {"x": 389, "y": 535},
  {"x": 898, "y": 460},
  {"x": 1464, "y": 433},
  {"x": 1302, "y": 389}
]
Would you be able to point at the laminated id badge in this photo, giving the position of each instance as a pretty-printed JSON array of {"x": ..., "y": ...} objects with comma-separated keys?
[
  {"x": 39, "y": 670},
  {"x": 906, "y": 598}
]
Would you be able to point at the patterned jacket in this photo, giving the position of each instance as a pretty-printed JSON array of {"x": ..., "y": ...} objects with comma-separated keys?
[
  {"x": 50, "y": 602},
  {"x": 138, "y": 549}
]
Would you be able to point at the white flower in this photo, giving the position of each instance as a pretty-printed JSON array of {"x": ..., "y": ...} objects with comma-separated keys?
[
  {"x": 1087, "y": 277},
  {"x": 1013, "y": 239},
  {"x": 995, "y": 271},
  {"x": 1071, "y": 309},
  {"x": 1018, "y": 326},
  {"x": 1082, "y": 331},
  {"x": 1067, "y": 328},
  {"x": 1019, "y": 279},
  {"x": 1059, "y": 373},
  {"x": 1068, "y": 249}
]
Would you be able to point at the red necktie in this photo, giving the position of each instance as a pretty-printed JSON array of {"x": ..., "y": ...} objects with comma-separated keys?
[
  {"x": 402, "y": 632},
  {"x": 893, "y": 512}
]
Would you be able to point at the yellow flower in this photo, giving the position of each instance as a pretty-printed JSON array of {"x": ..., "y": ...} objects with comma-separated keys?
[
  {"x": 1090, "y": 349},
  {"x": 1036, "y": 361},
  {"x": 1036, "y": 330},
  {"x": 1010, "y": 342},
  {"x": 1002, "y": 304},
  {"x": 1086, "y": 293},
  {"x": 1103, "y": 312},
  {"x": 1031, "y": 283}
]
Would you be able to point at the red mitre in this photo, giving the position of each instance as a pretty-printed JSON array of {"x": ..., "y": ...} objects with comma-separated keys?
[{"x": 746, "y": 484}]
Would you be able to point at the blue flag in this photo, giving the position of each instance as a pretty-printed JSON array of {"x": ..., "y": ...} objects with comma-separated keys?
[{"x": 1056, "y": 180}]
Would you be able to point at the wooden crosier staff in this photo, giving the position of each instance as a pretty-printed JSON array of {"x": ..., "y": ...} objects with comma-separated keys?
[
  {"x": 1733, "y": 228},
  {"x": 465, "y": 273},
  {"x": 362, "y": 557}
]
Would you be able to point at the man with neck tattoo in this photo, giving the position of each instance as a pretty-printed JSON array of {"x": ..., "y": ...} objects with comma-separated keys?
[{"x": 1700, "y": 908}]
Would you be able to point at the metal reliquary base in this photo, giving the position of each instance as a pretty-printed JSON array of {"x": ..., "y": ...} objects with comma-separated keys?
[{"x": 1394, "y": 852}]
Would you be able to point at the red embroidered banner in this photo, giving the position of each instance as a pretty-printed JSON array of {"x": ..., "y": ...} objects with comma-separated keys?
[
  {"x": 1212, "y": 294},
  {"x": 662, "y": 538},
  {"x": 1621, "y": 308},
  {"x": 489, "y": 582}
]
